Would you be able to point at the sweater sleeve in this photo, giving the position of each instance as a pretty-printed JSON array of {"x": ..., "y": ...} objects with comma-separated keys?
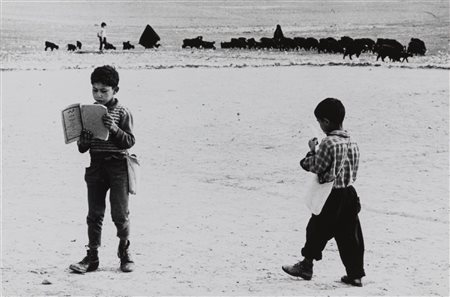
[{"x": 124, "y": 137}]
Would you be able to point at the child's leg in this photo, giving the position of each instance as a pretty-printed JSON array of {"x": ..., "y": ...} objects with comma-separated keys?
[
  {"x": 96, "y": 213},
  {"x": 97, "y": 189},
  {"x": 317, "y": 236},
  {"x": 119, "y": 210},
  {"x": 349, "y": 237},
  {"x": 351, "y": 250},
  {"x": 320, "y": 229},
  {"x": 118, "y": 176}
]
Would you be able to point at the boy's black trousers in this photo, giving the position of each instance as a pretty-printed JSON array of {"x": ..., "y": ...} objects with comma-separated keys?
[
  {"x": 338, "y": 219},
  {"x": 103, "y": 175}
]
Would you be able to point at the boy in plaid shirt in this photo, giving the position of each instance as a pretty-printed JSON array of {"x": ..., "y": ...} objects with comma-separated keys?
[{"x": 336, "y": 159}]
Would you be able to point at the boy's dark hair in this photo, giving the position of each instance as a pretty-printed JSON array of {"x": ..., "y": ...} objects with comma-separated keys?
[
  {"x": 103, "y": 24},
  {"x": 332, "y": 109},
  {"x": 106, "y": 75}
]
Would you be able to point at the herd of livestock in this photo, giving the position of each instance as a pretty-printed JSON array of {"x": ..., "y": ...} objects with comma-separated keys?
[{"x": 346, "y": 45}]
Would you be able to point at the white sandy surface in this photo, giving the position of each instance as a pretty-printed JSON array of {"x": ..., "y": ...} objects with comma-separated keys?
[{"x": 218, "y": 210}]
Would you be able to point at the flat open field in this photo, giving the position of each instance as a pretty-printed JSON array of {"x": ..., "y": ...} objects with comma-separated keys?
[
  {"x": 219, "y": 208},
  {"x": 220, "y": 134}
]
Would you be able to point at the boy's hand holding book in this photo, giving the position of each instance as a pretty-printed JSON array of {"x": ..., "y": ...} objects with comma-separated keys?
[
  {"x": 109, "y": 123},
  {"x": 84, "y": 143},
  {"x": 78, "y": 117}
]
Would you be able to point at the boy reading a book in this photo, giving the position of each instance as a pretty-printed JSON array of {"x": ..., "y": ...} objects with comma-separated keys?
[
  {"x": 107, "y": 171},
  {"x": 336, "y": 159}
]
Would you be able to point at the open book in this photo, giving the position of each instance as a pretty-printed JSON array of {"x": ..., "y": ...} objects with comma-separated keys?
[{"x": 77, "y": 117}]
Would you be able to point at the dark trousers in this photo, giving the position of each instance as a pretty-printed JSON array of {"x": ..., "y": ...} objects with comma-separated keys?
[
  {"x": 338, "y": 219},
  {"x": 102, "y": 42},
  {"x": 101, "y": 176}
]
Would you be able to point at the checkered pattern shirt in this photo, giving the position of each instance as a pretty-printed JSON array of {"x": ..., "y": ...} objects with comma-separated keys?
[{"x": 337, "y": 158}]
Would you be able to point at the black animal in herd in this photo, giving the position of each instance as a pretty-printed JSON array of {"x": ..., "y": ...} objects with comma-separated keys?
[
  {"x": 416, "y": 47},
  {"x": 346, "y": 45},
  {"x": 391, "y": 48},
  {"x": 198, "y": 42},
  {"x": 50, "y": 45},
  {"x": 72, "y": 47},
  {"x": 109, "y": 46},
  {"x": 127, "y": 45},
  {"x": 356, "y": 46}
]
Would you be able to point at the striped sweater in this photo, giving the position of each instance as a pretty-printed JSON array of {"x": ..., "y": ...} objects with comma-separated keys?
[{"x": 119, "y": 142}]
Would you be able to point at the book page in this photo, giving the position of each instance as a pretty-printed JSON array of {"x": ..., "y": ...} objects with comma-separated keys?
[
  {"x": 91, "y": 115},
  {"x": 72, "y": 124}
]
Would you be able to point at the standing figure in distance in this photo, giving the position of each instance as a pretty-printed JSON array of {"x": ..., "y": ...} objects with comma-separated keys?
[
  {"x": 278, "y": 34},
  {"x": 102, "y": 36}
]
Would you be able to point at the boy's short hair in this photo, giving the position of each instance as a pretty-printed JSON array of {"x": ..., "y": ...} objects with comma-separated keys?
[
  {"x": 106, "y": 75},
  {"x": 331, "y": 109},
  {"x": 103, "y": 24}
]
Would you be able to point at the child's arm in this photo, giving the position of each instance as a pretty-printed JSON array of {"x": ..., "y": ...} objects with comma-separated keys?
[
  {"x": 121, "y": 135},
  {"x": 84, "y": 143},
  {"x": 312, "y": 143},
  {"x": 317, "y": 161}
]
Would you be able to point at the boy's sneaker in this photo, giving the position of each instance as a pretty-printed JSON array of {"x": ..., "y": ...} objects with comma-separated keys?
[
  {"x": 351, "y": 281},
  {"x": 126, "y": 263},
  {"x": 301, "y": 269},
  {"x": 89, "y": 263}
]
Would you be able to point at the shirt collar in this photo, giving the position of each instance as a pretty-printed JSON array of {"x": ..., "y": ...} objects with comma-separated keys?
[
  {"x": 112, "y": 103},
  {"x": 340, "y": 133}
]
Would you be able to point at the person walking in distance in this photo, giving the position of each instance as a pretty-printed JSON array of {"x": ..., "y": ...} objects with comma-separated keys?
[{"x": 102, "y": 35}]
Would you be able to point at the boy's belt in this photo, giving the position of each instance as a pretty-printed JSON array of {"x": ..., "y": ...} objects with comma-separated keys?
[{"x": 105, "y": 156}]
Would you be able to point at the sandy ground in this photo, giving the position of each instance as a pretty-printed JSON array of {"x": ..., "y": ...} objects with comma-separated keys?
[{"x": 218, "y": 210}]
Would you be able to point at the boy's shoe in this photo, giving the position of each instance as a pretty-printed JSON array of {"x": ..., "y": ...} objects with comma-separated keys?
[
  {"x": 126, "y": 263},
  {"x": 301, "y": 269},
  {"x": 89, "y": 263},
  {"x": 351, "y": 281}
]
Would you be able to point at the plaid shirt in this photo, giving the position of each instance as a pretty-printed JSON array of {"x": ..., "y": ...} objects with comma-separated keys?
[{"x": 329, "y": 161}]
